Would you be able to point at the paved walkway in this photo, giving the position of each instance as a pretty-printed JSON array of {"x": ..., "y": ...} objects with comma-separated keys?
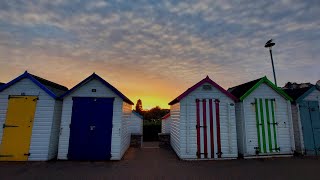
[{"x": 158, "y": 163}]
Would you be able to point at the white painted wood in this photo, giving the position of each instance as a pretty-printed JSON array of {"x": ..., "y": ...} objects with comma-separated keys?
[
  {"x": 55, "y": 130},
  {"x": 136, "y": 124},
  {"x": 239, "y": 125},
  {"x": 44, "y": 131},
  {"x": 120, "y": 115},
  {"x": 282, "y": 116},
  {"x": 187, "y": 109},
  {"x": 175, "y": 128},
  {"x": 166, "y": 125},
  {"x": 125, "y": 131}
]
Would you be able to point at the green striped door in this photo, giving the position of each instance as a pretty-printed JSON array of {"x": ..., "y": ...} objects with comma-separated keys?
[{"x": 266, "y": 125}]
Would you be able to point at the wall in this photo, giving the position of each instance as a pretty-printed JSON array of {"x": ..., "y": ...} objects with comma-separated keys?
[
  {"x": 41, "y": 130},
  {"x": 135, "y": 124},
  {"x": 125, "y": 130},
  {"x": 55, "y": 130},
  {"x": 175, "y": 128},
  {"x": 166, "y": 125}
]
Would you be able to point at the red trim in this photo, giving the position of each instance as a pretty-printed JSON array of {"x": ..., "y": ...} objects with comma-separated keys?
[
  {"x": 218, "y": 127},
  {"x": 198, "y": 129},
  {"x": 165, "y": 116},
  {"x": 205, "y": 128},
  {"x": 205, "y": 80},
  {"x": 211, "y": 128}
]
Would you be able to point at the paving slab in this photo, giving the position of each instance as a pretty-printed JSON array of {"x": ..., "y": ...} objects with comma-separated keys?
[{"x": 158, "y": 163}]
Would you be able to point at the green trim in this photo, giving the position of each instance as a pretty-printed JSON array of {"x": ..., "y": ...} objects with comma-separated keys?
[
  {"x": 257, "y": 120},
  {"x": 306, "y": 94},
  {"x": 274, "y": 125},
  {"x": 269, "y": 83},
  {"x": 268, "y": 124},
  {"x": 263, "y": 130}
]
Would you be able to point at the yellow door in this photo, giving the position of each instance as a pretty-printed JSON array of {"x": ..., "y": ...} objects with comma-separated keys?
[{"x": 17, "y": 128}]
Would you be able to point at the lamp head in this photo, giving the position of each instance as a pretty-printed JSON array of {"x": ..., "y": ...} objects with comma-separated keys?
[{"x": 269, "y": 44}]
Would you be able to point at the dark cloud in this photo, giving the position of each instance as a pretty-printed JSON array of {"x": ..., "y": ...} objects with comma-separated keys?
[{"x": 181, "y": 41}]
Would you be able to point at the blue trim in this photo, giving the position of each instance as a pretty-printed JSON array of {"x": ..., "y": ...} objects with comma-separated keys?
[
  {"x": 95, "y": 76},
  {"x": 137, "y": 114},
  {"x": 27, "y": 75},
  {"x": 299, "y": 99}
]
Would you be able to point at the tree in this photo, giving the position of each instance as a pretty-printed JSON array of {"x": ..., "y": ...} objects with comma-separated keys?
[{"x": 139, "y": 108}]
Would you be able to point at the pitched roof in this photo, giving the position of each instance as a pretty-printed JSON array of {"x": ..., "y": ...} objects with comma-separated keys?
[
  {"x": 54, "y": 87},
  {"x": 205, "y": 80},
  {"x": 137, "y": 114},
  {"x": 166, "y": 116},
  {"x": 296, "y": 93},
  {"x": 51, "y": 88},
  {"x": 243, "y": 90},
  {"x": 95, "y": 76}
]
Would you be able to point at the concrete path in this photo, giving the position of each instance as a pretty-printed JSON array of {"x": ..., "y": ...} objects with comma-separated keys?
[{"x": 158, "y": 163}]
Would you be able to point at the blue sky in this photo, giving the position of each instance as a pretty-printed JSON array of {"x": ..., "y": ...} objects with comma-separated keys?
[{"x": 154, "y": 49}]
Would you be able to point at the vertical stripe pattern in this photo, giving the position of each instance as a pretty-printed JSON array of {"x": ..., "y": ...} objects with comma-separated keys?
[
  {"x": 266, "y": 125},
  {"x": 208, "y": 129},
  {"x": 198, "y": 128}
]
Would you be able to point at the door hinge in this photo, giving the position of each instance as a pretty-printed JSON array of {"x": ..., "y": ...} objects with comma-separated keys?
[
  {"x": 5, "y": 155},
  {"x": 27, "y": 154},
  {"x": 5, "y": 126}
]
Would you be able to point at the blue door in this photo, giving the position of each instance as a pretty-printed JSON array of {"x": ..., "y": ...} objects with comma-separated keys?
[
  {"x": 310, "y": 121},
  {"x": 91, "y": 128}
]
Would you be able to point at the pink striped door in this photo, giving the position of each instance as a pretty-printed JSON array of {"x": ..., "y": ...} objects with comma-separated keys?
[{"x": 208, "y": 128}]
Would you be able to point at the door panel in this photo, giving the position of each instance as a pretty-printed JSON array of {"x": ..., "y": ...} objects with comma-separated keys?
[
  {"x": 18, "y": 128},
  {"x": 91, "y": 128},
  {"x": 315, "y": 120},
  {"x": 307, "y": 128},
  {"x": 266, "y": 126}
]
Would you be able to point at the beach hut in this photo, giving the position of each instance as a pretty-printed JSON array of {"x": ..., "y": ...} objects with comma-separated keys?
[
  {"x": 136, "y": 129},
  {"x": 264, "y": 121},
  {"x": 94, "y": 123},
  {"x": 136, "y": 123},
  {"x": 30, "y": 114},
  {"x": 203, "y": 122},
  {"x": 306, "y": 119},
  {"x": 165, "y": 123}
]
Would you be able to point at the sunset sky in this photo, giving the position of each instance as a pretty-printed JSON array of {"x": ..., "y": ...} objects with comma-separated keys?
[{"x": 153, "y": 49}]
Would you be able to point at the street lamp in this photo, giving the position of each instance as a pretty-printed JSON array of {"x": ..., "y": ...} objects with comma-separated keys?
[{"x": 269, "y": 45}]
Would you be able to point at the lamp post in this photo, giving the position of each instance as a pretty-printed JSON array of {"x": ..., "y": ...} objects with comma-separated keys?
[{"x": 269, "y": 45}]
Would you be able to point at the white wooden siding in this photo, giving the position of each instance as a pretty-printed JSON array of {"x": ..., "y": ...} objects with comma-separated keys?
[
  {"x": 187, "y": 126},
  {"x": 125, "y": 131},
  {"x": 55, "y": 130},
  {"x": 283, "y": 115},
  {"x": 166, "y": 125},
  {"x": 296, "y": 127},
  {"x": 41, "y": 131},
  {"x": 175, "y": 128},
  {"x": 136, "y": 124},
  {"x": 240, "y": 127},
  {"x": 85, "y": 91}
]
